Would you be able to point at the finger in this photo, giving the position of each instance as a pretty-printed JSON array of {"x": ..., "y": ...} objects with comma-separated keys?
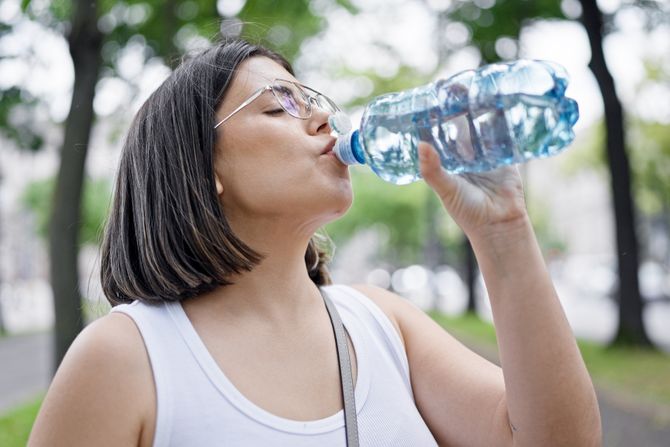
[{"x": 442, "y": 183}]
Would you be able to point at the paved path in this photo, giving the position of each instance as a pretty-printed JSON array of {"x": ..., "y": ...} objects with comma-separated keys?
[
  {"x": 25, "y": 368},
  {"x": 630, "y": 423},
  {"x": 25, "y": 364},
  {"x": 627, "y": 421}
]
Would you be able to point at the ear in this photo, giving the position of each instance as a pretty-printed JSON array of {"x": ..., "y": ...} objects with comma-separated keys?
[{"x": 219, "y": 185}]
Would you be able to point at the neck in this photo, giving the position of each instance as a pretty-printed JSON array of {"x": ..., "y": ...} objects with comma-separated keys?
[{"x": 278, "y": 290}]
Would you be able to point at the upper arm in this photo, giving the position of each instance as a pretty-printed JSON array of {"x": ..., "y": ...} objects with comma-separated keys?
[
  {"x": 101, "y": 391},
  {"x": 460, "y": 395}
]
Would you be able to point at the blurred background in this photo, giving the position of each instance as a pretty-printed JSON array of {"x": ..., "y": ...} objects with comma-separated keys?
[{"x": 74, "y": 72}]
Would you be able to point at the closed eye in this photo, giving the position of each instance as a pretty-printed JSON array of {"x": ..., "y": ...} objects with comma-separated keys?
[{"x": 274, "y": 112}]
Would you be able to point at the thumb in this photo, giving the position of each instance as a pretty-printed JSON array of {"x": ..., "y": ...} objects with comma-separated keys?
[{"x": 444, "y": 185}]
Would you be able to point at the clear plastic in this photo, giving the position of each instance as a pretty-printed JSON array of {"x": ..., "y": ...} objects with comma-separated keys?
[{"x": 477, "y": 120}]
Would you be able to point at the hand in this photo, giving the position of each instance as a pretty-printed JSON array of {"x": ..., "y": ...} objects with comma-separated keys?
[{"x": 478, "y": 202}]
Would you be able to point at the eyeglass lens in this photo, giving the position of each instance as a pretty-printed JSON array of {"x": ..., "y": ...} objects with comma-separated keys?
[
  {"x": 297, "y": 102},
  {"x": 292, "y": 99}
]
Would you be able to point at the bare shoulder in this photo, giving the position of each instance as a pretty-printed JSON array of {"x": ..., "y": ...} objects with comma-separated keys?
[
  {"x": 115, "y": 335},
  {"x": 102, "y": 391},
  {"x": 110, "y": 345},
  {"x": 394, "y": 306}
]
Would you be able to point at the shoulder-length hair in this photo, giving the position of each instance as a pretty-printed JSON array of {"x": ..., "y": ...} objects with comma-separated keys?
[{"x": 167, "y": 237}]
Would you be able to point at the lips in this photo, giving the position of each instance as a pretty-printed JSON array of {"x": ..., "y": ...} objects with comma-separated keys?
[{"x": 328, "y": 147}]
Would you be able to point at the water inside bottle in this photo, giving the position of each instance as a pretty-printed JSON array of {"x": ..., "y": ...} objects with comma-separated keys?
[{"x": 507, "y": 129}]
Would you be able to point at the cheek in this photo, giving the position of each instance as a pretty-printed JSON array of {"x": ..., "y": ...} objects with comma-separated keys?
[
  {"x": 271, "y": 173},
  {"x": 264, "y": 183}
]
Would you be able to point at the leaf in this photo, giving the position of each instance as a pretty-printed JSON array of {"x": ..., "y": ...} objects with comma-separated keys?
[
  {"x": 14, "y": 100},
  {"x": 38, "y": 195},
  {"x": 503, "y": 18}
]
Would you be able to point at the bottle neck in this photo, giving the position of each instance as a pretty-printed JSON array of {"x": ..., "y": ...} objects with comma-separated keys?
[{"x": 349, "y": 149}]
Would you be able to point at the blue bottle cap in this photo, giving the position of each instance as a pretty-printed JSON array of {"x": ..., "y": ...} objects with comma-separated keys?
[{"x": 348, "y": 149}]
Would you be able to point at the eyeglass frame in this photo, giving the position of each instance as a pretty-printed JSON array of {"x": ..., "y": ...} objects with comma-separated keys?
[{"x": 304, "y": 88}]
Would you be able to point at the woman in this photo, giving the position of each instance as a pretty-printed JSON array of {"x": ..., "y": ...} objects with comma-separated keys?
[{"x": 225, "y": 176}]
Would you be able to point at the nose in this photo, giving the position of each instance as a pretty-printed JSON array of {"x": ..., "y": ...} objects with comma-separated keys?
[{"x": 318, "y": 122}]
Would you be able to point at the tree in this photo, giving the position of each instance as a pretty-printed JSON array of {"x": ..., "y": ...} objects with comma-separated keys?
[
  {"x": 84, "y": 42},
  {"x": 631, "y": 328},
  {"x": 398, "y": 212},
  {"x": 649, "y": 139},
  {"x": 650, "y": 162},
  {"x": 490, "y": 22},
  {"x": 97, "y": 31}
]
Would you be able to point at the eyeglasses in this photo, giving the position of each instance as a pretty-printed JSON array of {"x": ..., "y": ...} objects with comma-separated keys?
[{"x": 296, "y": 99}]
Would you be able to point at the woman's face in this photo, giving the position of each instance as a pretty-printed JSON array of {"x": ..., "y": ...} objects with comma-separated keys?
[{"x": 270, "y": 165}]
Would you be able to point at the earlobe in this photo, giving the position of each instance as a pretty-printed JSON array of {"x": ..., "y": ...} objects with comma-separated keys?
[{"x": 219, "y": 186}]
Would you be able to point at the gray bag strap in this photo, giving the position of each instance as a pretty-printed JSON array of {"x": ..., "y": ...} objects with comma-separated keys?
[{"x": 350, "y": 421}]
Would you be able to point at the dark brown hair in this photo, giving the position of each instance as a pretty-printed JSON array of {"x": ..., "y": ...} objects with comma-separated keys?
[{"x": 167, "y": 237}]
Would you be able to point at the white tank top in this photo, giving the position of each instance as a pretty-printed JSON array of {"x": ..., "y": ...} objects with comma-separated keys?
[{"x": 198, "y": 406}]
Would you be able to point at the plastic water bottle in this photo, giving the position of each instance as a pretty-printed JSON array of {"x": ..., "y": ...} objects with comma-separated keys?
[{"x": 477, "y": 120}]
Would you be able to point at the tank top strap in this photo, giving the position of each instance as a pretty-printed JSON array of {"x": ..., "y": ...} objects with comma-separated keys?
[{"x": 153, "y": 323}]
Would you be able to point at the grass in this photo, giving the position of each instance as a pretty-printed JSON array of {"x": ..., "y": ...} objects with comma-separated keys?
[
  {"x": 467, "y": 327},
  {"x": 643, "y": 373},
  {"x": 15, "y": 425}
]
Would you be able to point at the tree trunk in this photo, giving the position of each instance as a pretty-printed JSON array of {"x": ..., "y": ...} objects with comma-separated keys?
[
  {"x": 631, "y": 329},
  {"x": 85, "y": 42},
  {"x": 470, "y": 276}
]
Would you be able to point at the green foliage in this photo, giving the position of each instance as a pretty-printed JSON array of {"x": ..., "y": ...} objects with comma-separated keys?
[
  {"x": 641, "y": 373},
  {"x": 5, "y": 28},
  {"x": 550, "y": 242},
  {"x": 13, "y": 101},
  {"x": 467, "y": 326},
  {"x": 38, "y": 198},
  {"x": 397, "y": 211},
  {"x": 281, "y": 26},
  {"x": 655, "y": 71},
  {"x": 587, "y": 151},
  {"x": 61, "y": 9},
  {"x": 400, "y": 214},
  {"x": 502, "y": 18},
  {"x": 165, "y": 28},
  {"x": 15, "y": 425},
  {"x": 505, "y": 18},
  {"x": 649, "y": 149},
  {"x": 405, "y": 78}
]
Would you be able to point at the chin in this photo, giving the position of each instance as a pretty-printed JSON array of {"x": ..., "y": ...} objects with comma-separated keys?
[
  {"x": 335, "y": 203},
  {"x": 345, "y": 197}
]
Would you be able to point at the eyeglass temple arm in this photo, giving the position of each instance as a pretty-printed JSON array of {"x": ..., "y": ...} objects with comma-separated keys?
[{"x": 258, "y": 93}]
